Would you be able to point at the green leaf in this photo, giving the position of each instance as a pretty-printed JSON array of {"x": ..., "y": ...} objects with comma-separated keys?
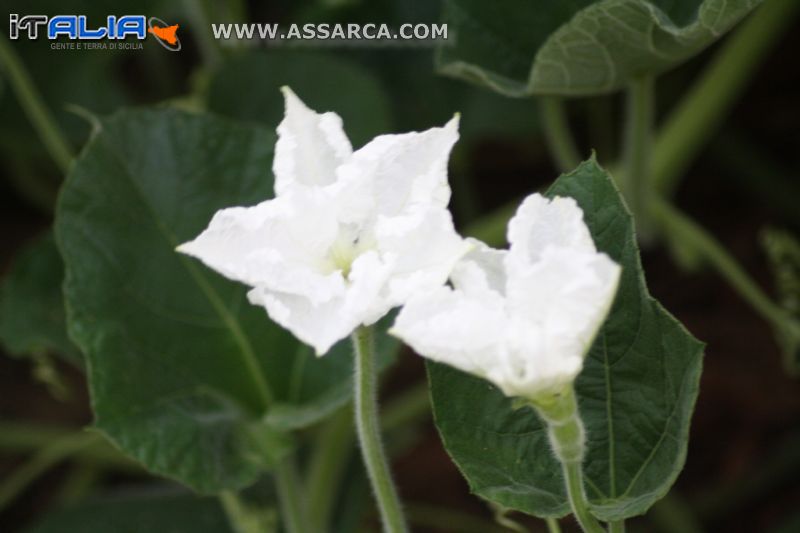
[
  {"x": 32, "y": 318},
  {"x": 139, "y": 512},
  {"x": 247, "y": 87},
  {"x": 636, "y": 393},
  {"x": 185, "y": 375},
  {"x": 525, "y": 47}
]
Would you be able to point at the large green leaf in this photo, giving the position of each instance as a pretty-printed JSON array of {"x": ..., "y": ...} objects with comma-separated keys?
[
  {"x": 247, "y": 87},
  {"x": 32, "y": 317},
  {"x": 159, "y": 511},
  {"x": 580, "y": 47},
  {"x": 636, "y": 393},
  {"x": 185, "y": 374}
]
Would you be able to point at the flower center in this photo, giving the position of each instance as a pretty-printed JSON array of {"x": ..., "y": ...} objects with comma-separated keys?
[{"x": 342, "y": 253}]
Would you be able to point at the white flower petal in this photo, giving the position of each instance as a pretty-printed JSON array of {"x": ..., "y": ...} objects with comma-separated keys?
[
  {"x": 280, "y": 243},
  {"x": 406, "y": 169},
  {"x": 323, "y": 324},
  {"x": 481, "y": 269},
  {"x": 452, "y": 327},
  {"x": 522, "y": 319},
  {"x": 568, "y": 294},
  {"x": 422, "y": 246},
  {"x": 540, "y": 223},
  {"x": 528, "y": 370},
  {"x": 310, "y": 146}
]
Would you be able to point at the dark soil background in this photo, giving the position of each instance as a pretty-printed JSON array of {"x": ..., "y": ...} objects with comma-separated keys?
[{"x": 743, "y": 468}]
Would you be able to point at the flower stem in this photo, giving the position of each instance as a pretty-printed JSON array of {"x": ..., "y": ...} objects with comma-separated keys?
[
  {"x": 552, "y": 525},
  {"x": 366, "y": 412},
  {"x": 618, "y": 526},
  {"x": 573, "y": 475},
  {"x": 710, "y": 99},
  {"x": 557, "y": 134},
  {"x": 31, "y": 101},
  {"x": 291, "y": 500},
  {"x": 636, "y": 177},
  {"x": 568, "y": 441}
]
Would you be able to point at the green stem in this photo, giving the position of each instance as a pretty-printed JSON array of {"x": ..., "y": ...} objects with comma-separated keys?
[
  {"x": 573, "y": 476},
  {"x": 31, "y": 101},
  {"x": 617, "y": 526},
  {"x": 292, "y": 503},
  {"x": 636, "y": 177},
  {"x": 368, "y": 430},
  {"x": 334, "y": 445},
  {"x": 689, "y": 233},
  {"x": 244, "y": 518},
  {"x": 568, "y": 440},
  {"x": 552, "y": 525},
  {"x": 327, "y": 465},
  {"x": 82, "y": 479},
  {"x": 196, "y": 10},
  {"x": 557, "y": 133},
  {"x": 710, "y": 99},
  {"x": 42, "y": 461}
]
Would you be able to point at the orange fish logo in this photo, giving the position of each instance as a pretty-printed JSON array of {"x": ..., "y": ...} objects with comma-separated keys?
[{"x": 166, "y": 35}]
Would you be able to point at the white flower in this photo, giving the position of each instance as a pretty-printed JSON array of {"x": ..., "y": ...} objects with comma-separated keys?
[
  {"x": 348, "y": 236},
  {"x": 524, "y": 318}
]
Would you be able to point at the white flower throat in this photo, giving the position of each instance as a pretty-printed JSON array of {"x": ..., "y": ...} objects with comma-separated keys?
[{"x": 350, "y": 243}]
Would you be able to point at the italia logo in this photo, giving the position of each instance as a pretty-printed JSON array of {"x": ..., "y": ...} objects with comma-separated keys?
[{"x": 76, "y": 27}]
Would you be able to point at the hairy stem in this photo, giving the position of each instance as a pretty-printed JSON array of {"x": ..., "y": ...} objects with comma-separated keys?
[
  {"x": 573, "y": 476},
  {"x": 368, "y": 430},
  {"x": 568, "y": 441}
]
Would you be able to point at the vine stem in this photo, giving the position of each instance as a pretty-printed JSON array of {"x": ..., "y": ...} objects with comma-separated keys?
[
  {"x": 368, "y": 431},
  {"x": 708, "y": 101},
  {"x": 290, "y": 497},
  {"x": 689, "y": 233},
  {"x": 41, "y": 461},
  {"x": 31, "y": 101},
  {"x": 636, "y": 177},
  {"x": 557, "y": 133}
]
